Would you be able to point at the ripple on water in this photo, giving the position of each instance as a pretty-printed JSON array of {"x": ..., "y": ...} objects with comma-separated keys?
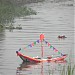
[{"x": 51, "y": 20}]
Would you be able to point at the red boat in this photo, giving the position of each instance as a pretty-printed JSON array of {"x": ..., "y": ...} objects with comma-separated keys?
[
  {"x": 38, "y": 60},
  {"x": 26, "y": 58}
]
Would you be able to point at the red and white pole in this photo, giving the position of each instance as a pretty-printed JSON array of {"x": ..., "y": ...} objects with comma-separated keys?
[{"x": 41, "y": 39}]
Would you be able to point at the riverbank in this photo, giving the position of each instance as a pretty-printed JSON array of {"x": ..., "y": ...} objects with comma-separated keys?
[
  {"x": 12, "y": 9},
  {"x": 9, "y": 11}
]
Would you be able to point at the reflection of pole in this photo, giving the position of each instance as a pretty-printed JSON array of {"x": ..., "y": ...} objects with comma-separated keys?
[
  {"x": 41, "y": 39},
  {"x": 48, "y": 69},
  {"x": 42, "y": 69},
  {"x": 42, "y": 49}
]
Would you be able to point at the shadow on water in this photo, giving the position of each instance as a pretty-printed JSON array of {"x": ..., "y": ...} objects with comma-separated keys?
[{"x": 25, "y": 66}]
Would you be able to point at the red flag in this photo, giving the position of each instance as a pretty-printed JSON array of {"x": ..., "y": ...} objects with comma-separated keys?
[
  {"x": 48, "y": 44},
  {"x": 32, "y": 44},
  {"x": 41, "y": 37}
]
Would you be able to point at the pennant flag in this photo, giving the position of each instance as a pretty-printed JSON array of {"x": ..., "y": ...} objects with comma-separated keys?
[
  {"x": 51, "y": 46},
  {"x": 48, "y": 44},
  {"x": 32, "y": 44},
  {"x": 19, "y": 49},
  {"x": 56, "y": 50},
  {"x": 41, "y": 39},
  {"x": 37, "y": 41},
  {"x": 59, "y": 52}
]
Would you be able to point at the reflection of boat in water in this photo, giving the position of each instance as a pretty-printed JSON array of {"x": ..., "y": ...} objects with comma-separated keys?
[
  {"x": 62, "y": 37},
  {"x": 27, "y": 67},
  {"x": 26, "y": 58}
]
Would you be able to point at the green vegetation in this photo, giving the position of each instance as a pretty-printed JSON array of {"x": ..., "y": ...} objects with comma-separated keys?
[
  {"x": 69, "y": 70},
  {"x": 8, "y": 11},
  {"x": 24, "y": 11}
]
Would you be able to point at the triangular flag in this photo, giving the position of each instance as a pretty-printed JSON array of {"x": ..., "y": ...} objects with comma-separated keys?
[
  {"x": 19, "y": 49},
  {"x": 48, "y": 44},
  {"x": 51, "y": 46},
  {"x": 59, "y": 53},
  {"x": 56, "y": 50},
  {"x": 32, "y": 44},
  {"x": 37, "y": 41}
]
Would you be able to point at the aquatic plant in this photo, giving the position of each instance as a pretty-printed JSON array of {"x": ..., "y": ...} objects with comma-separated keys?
[{"x": 69, "y": 70}]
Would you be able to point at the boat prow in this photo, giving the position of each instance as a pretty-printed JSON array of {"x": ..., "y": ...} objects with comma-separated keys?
[{"x": 27, "y": 58}]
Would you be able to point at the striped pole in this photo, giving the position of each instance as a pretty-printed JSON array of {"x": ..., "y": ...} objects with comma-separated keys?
[{"x": 41, "y": 39}]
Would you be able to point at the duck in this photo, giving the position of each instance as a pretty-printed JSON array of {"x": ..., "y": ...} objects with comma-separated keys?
[{"x": 63, "y": 36}]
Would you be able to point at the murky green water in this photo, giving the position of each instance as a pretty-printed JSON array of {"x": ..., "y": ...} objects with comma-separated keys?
[{"x": 51, "y": 20}]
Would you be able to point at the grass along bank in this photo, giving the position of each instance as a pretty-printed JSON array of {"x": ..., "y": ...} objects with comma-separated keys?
[{"x": 68, "y": 70}]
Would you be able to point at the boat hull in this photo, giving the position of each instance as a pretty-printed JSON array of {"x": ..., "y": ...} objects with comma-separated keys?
[{"x": 36, "y": 60}]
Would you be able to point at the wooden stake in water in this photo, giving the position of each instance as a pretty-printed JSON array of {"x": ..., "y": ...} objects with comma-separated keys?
[{"x": 41, "y": 39}]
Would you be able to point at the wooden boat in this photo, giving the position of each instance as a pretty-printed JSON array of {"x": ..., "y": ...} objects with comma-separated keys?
[
  {"x": 38, "y": 60},
  {"x": 26, "y": 58}
]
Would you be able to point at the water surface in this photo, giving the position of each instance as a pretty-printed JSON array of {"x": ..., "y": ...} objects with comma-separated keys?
[{"x": 52, "y": 20}]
